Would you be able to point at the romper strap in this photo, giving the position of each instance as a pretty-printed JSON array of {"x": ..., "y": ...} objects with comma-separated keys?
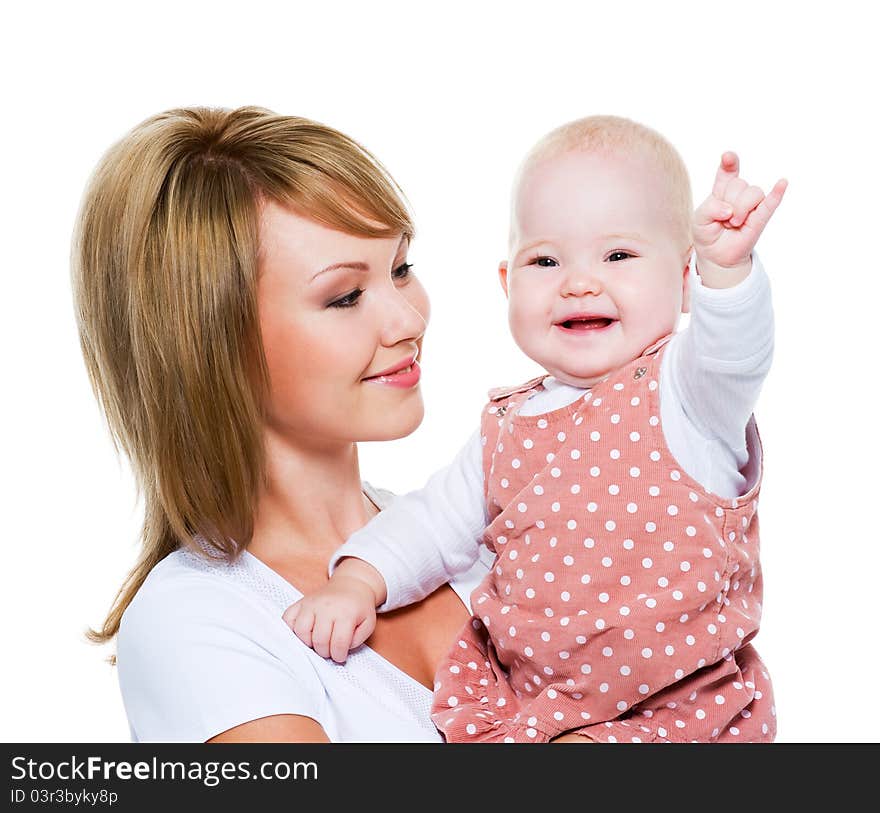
[
  {"x": 499, "y": 393},
  {"x": 649, "y": 351}
]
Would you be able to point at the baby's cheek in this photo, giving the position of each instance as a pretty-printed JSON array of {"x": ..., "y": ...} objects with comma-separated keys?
[{"x": 522, "y": 323}]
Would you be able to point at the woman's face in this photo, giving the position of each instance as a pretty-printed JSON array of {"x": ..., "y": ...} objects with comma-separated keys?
[{"x": 342, "y": 320}]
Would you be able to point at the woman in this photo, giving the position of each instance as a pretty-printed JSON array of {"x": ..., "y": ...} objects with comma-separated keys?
[{"x": 247, "y": 315}]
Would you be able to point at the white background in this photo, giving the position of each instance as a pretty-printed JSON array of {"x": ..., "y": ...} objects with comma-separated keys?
[{"x": 449, "y": 96}]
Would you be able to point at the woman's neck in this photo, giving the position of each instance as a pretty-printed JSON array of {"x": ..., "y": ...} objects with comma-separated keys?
[{"x": 312, "y": 503}]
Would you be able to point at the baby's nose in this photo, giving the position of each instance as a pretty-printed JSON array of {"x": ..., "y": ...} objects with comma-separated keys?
[{"x": 582, "y": 281}]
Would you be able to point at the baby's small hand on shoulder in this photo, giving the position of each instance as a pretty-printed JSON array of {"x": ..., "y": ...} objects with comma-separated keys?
[
  {"x": 728, "y": 223},
  {"x": 334, "y": 619}
]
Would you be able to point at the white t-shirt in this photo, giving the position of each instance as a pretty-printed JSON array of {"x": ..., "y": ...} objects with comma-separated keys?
[{"x": 202, "y": 648}]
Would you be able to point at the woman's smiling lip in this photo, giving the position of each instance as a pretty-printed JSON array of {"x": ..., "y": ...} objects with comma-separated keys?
[{"x": 406, "y": 374}]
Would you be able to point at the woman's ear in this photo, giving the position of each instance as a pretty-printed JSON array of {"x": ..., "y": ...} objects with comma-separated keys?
[{"x": 502, "y": 275}]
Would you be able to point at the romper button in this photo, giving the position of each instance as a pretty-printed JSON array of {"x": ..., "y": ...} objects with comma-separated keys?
[
  {"x": 640, "y": 372},
  {"x": 501, "y": 410}
]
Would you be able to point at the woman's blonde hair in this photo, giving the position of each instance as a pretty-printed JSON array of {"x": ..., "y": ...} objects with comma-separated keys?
[{"x": 164, "y": 277}]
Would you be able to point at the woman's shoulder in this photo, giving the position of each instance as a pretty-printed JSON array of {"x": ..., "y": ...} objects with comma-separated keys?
[
  {"x": 190, "y": 599},
  {"x": 194, "y": 636},
  {"x": 181, "y": 579},
  {"x": 193, "y": 587}
]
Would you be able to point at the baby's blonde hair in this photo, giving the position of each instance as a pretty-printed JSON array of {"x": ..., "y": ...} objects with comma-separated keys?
[{"x": 616, "y": 134}]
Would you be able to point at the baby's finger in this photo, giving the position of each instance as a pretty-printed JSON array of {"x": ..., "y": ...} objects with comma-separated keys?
[
  {"x": 744, "y": 202},
  {"x": 728, "y": 169},
  {"x": 774, "y": 198},
  {"x": 290, "y": 614},
  {"x": 734, "y": 188},
  {"x": 303, "y": 624},
  {"x": 321, "y": 634},
  {"x": 711, "y": 210},
  {"x": 363, "y": 630},
  {"x": 340, "y": 640},
  {"x": 762, "y": 214}
]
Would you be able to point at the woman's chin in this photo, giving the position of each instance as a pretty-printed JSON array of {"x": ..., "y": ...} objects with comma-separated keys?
[{"x": 396, "y": 423}]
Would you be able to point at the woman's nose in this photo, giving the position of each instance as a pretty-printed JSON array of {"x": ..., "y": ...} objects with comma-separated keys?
[{"x": 401, "y": 320}]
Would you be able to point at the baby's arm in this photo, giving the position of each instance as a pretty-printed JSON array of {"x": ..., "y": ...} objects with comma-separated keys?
[
  {"x": 716, "y": 367},
  {"x": 407, "y": 551}
]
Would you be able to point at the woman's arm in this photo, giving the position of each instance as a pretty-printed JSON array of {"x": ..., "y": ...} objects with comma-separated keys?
[{"x": 277, "y": 728}]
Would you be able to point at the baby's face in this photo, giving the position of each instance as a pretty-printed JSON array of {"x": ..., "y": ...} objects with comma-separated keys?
[{"x": 594, "y": 274}]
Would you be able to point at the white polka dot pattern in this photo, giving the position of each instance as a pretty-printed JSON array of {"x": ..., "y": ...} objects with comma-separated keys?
[{"x": 624, "y": 595}]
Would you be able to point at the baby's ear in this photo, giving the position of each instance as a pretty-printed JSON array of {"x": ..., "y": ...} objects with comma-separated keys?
[{"x": 502, "y": 275}]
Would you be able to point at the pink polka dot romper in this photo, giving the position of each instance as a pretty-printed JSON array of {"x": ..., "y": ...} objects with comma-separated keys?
[{"x": 624, "y": 595}]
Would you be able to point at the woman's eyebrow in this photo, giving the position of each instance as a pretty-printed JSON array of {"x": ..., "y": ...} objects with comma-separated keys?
[{"x": 354, "y": 266}]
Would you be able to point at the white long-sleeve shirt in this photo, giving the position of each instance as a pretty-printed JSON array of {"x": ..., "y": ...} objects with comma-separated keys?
[{"x": 710, "y": 378}]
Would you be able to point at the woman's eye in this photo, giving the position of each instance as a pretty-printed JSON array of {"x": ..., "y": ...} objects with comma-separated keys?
[
  {"x": 544, "y": 262},
  {"x": 621, "y": 254},
  {"x": 402, "y": 271},
  {"x": 347, "y": 301}
]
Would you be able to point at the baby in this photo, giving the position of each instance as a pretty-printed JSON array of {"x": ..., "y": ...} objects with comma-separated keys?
[{"x": 618, "y": 492}]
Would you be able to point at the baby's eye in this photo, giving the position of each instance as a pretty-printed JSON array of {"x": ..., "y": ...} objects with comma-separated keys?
[
  {"x": 347, "y": 301},
  {"x": 544, "y": 262},
  {"x": 621, "y": 255},
  {"x": 402, "y": 271}
]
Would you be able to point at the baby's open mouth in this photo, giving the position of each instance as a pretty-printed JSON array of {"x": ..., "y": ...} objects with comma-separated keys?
[{"x": 586, "y": 324}]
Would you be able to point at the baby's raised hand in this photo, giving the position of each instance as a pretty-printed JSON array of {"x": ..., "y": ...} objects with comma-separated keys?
[
  {"x": 341, "y": 615},
  {"x": 728, "y": 223}
]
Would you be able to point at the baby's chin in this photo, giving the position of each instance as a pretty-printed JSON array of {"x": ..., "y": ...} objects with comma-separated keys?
[{"x": 582, "y": 378}]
